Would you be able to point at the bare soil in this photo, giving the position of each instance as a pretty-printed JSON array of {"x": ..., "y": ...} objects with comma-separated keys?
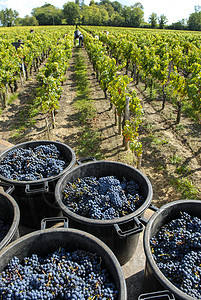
[{"x": 161, "y": 138}]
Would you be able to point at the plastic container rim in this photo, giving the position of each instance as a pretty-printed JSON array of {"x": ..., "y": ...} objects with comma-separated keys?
[{"x": 15, "y": 223}]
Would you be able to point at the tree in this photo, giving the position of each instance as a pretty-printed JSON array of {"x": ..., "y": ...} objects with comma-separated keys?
[
  {"x": 162, "y": 21},
  {"x": 108, "y": 6},
  {"x": 116, "y": 19},
  {"x": 117, "y": 7},
  {"x": 179, "y": 25},
  {"x": 71, "y": 13},
  {"x": 104, "y": 16},
  {"x": 137, "y": 15},
  {"x": 104, "y": 2},
  {"x": 127, "y": 15},
  {"x": 133, "y": 15},
  {"x": 92, "y": 2},
  {"x": 29, "y": 21},
  {"x": 92, "y": 15},
  {"x": 194, "y": 22},
  {"x": 138, "y": 5},
  {"x": 48, "y": 14},
  {"x": 8, "y": 17},
  {"x": 153, "y": 20}
]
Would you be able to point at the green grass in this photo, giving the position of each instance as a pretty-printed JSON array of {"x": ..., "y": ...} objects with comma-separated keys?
[
  {"x": 24, "y": 121},
  {"x": 153, "y": 140},
  {"x": 89, "y": 144},
  {"x": 182, "y": 169},
  {"x": 159, "y": 142},
  {"x": 190, "y": 111},
  {"x": 175, "y": 159},
  {"x": 12, "y": 98},
  {"x": 89, "y": 141},
  {"x": 185, "y": 187}
]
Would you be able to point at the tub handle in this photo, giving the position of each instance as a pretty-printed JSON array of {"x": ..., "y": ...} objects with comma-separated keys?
[
  {"x": 153, "y": 207},
  {"x": 55, "y": 220},
  {"x": 81, "y": 160},
  {"x": 136, "y": 229},
  {"x": 143, "y": 220},
  {"x": 10, "y": 187},
  {"x": 43, "y": 189},
  {"x": 157, "y": 296}
]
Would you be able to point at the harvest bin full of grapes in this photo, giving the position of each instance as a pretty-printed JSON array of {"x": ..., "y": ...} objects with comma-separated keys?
[
  {"x": 60, "y": 263},
  {"x": 33, "y": 168},
  {"x": 105, "y": 198},
  {"x": 172, "y": 243}
]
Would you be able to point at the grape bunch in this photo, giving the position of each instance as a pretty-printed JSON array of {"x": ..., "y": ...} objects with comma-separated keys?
[
  {"x": 76, "y": 275},
  {"x": 32, "y": 164},
  {"x": 4, "y": 228},
  {"x": 176, "y": 248},
  {"x": 102, "y": 199}
]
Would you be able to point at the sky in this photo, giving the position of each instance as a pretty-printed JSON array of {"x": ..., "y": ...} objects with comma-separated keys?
[{"x": 174, "y": 10}]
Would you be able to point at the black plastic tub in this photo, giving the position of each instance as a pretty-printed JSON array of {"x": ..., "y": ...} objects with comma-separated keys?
[
  {"x": 10, "y": 215},
  {"x": 36, "y": 199},
  {"x": 154, "y": 279},
  {"x": 44, "y": 242},
  {"x": 121, "y": 234}
]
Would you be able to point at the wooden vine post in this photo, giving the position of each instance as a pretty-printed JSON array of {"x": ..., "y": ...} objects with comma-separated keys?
[
  {"x": 53, "y": 119},
  {"x": 126, "y": 118},
  {"x": 3, "y": 99},
  {"x": 139, "y": 161},
  {"x": 115, "y": 116},
  {"x": 119, "y": 124},
  {"x": 48, "y": 127}
]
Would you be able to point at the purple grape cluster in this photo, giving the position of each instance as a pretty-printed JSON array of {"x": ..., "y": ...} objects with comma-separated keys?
[
  {"x": 4, "y": 228},
  {"x": 76, "y": 275},
  {"x": 103, "y": 199},
  {"x": 176, "y": 248},
  {"x": 32, "y": 164}
]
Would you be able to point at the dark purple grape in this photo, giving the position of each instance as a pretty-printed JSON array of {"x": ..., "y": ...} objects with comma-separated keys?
[
  {"x": 32, "y": 164},
  {"x": 103, "y": 199},
  {"x": 176, "y": 248},
  {"x": 61, "y": 275}
]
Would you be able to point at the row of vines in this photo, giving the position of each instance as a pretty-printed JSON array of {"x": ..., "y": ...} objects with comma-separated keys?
[
  {"x": 170, "y": 60},
  {"x": 127, "y": 108},
  {"x": 23, "y": 50}
]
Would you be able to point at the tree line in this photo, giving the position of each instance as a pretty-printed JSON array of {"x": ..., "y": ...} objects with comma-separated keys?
[{"x": 103, "y": 13}]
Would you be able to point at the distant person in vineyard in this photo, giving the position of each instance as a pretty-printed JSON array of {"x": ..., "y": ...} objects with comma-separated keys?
[
  {"x": 81, "y": 40},
  {"x": 20, "y": 43},
  {"x": 76, "y": 35}
]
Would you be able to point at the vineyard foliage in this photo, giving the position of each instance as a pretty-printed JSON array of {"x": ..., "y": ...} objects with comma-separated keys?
[
  {"x": 23, "y": 50},
  {"x": 170, "y": 60}
]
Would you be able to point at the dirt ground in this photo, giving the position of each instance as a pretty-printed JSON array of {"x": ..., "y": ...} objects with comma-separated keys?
[{"x": 165, "y": 146}]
